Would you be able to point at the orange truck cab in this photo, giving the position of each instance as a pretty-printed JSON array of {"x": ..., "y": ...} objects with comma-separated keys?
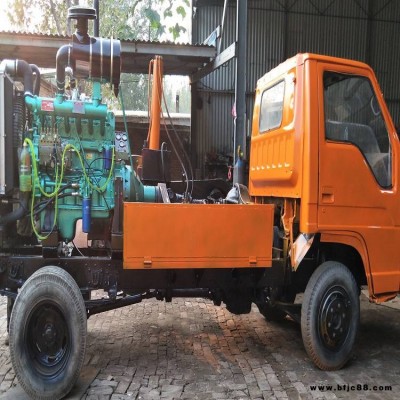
[{"x": 324, "y": 150}]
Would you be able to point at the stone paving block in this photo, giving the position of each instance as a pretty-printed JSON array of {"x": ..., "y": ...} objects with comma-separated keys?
[
  {"x": 238, "y": 394},
  {"x": 268, "y": 395},
  {"x": 134, "y": 386},
  {"x": 122, "y": 387},
  {"x": 172, "y": 389},
  {"x": 280, "y": 394},
  {"x": 193, "y": 350},
  {"x": 92, "y": 397},
  {"x": 105, "y": 382},
  {"x": 273, "y": 380},
  {"x": 100, "y": 390},
  {"x": 254, "y": 391},
  {"x": 152, "y": 394},
  {"x": 5, "y": 385}
]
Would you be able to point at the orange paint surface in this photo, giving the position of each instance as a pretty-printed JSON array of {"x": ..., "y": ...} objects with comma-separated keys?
[
  {"x": 197, "y": 236},
  {"x": 338, "y": 194},
  {"x": 156, "y": 101}
]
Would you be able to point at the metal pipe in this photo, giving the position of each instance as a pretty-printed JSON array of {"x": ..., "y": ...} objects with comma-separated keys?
[
  {"x": 36, "y": 71},
  {"x": 96, "y": 27},
  {"x": 62, "y": 61},
  {"x": 240, "y": 92},
  {"x": 19, "y": 69},
  {"x": 222, "y": 26},
  {"x": 102, "y": 305},
  {"x": 156, "y": 96}
]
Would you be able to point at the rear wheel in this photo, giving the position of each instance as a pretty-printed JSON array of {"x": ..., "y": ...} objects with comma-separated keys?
[
  {"x": 330, "y": 315},
  {"x": 48, "y": 334}
]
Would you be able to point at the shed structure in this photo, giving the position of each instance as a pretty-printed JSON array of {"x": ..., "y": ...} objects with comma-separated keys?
[
  {"x": 364, "y": 30},
  {"x": 256, "y": 39}
]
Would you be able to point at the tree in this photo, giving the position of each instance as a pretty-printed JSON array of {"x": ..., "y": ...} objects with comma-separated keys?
[{"x": 140, "y": 19}]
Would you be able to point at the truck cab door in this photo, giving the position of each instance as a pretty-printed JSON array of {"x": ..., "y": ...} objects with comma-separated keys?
[{"x": 358, "y": 197}]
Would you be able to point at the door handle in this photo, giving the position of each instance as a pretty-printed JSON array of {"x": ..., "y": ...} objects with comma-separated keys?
[{"x": 327, "y": 195}]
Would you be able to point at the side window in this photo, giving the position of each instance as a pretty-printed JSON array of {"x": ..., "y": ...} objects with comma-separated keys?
[
  {"x": 272, "y": 107},
  {"x": 352, "y": 114}
]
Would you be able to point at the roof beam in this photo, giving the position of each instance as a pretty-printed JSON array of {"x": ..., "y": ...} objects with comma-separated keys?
[
  {"x": 228, "y": 54},
  {"x": 42, "y": 49}
]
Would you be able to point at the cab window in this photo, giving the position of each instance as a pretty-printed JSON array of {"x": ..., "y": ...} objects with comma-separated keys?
[
  {"x": 353, "y": 115},
  {"x": 272, "y": 107}
]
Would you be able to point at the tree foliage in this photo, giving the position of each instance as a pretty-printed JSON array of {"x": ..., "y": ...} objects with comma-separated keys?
[{"x": 126, "y": 19}]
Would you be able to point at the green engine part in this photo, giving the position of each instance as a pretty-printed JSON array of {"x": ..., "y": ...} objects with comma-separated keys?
[{"x": 72, "y": 145}]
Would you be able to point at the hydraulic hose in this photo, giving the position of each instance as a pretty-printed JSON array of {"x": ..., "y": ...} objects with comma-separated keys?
[{"x": 19, "y": 212}]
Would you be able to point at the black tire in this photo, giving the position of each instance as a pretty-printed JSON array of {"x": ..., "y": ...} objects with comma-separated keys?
[
  {"x": 330, "y": 315},
  {"x": 10, "y": 305},
  {"x": 48, "y": 334},
  {"x": 271, "y": 311}
]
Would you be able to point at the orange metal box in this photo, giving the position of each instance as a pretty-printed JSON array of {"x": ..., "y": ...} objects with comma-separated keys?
[{"x": 197, "y": 236}]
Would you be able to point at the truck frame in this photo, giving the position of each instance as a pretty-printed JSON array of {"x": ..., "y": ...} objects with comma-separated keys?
[{"x": 320, "y": 216}]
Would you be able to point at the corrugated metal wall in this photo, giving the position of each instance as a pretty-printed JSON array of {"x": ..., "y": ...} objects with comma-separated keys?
[{"x": 365, "y": 30}]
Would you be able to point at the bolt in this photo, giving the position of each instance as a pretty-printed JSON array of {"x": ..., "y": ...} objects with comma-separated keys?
[
  {"x": 329, "y": 324},
  {"x": 338, "y": 305},
  {"x": 343, "y": 315},
  {"x": 334, "y": 335}
]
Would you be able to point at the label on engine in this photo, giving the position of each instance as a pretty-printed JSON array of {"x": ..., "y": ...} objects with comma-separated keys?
[
  {"x": 78, "y": 107},
  {"x": 47, "y": 105}
]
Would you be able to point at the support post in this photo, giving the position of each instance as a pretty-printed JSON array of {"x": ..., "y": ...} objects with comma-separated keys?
[
  {"x": 240, "y": 93},
  {"x": 96, "y": 26}
]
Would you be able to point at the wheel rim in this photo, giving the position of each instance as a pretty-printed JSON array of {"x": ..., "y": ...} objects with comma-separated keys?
[
  {"x": 334, "y": 318},
  {"x": 48, "y": 340}
]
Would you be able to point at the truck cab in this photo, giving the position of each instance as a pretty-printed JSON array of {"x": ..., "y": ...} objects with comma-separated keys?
[{"x": 324, "y": 150}]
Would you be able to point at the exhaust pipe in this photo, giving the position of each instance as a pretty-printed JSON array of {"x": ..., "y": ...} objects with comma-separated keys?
[{"x": 20, "y": 69}]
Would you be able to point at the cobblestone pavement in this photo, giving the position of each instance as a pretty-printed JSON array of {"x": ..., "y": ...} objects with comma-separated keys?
[{"x": 190, "y": 349}]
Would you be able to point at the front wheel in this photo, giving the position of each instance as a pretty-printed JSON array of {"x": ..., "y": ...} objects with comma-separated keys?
[
  {"x": 48, "y": 334},
  {"x": 330, "y": 315}
]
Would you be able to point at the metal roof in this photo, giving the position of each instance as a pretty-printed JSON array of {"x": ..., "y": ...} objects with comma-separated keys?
[{"x": 39, "y": 49}]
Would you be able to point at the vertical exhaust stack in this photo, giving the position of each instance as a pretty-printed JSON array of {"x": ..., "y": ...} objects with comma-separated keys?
[
  {"x": 91, "y": 58},
  {"x": 156, "y": 101},
  {"x": 156, "y": 162}
]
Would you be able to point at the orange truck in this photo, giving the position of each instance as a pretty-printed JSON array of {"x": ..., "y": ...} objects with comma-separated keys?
[
  {"x": 324, "y": 151},
  {"x": 320, "y": 215}
]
